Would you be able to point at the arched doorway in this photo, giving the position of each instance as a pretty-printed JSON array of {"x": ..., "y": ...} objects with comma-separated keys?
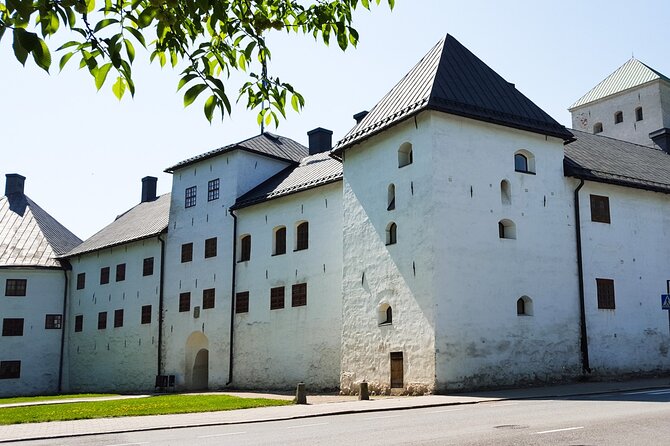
[
  {"x": 200, "y": 375},
  {"x": 196, "y": 362}
]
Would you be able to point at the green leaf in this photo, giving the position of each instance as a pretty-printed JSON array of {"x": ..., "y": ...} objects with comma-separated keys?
[
  {"x": 103, "y": 24},
  {"x": 20, "y": 52},
  {"x": 67, "y": 45},
  {"x": 90, "y": 6},
  {"x": 64, "y": 60},
  {"x": 147, "y": 16},
  {"x": 119, "y": 88},
  {"x": 295, "y": 103},
  {"x": 130, "y": 49},
  {"x": 137, "y": 34},
  {"x": 365, "y": 4},
  {"x": 185, "y": 80},
  {"x": 192, "y": 93},
  {"x": 210, "y": 103},
  {"x": 101, "y": 75}
]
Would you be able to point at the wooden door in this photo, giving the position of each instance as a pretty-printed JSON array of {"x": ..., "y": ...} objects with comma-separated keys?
[{"x": 396, "y": 370}]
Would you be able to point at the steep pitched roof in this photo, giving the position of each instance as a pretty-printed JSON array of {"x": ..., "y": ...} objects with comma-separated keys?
[
  {"x": 453, "y": 80},
  {"x": 315, "y": 170},
  {"x": 609, "y": 160},
  {"x": 142, "y": 221},
  {"x": 266, "y": 144},
  {"x": 629, "y": 75},
  {"x": 29, "y": 236}
]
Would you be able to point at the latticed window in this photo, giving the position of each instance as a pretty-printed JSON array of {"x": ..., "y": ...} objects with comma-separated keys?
[
  {"x": 213, "y": 190},
  {"x": 184, "y": 302},
  {"x": 302, "y": 236},
  {"x": 81, "y": 281},
  {"x": 10, "y": 369},
  {"x": 280, "y": 241},
  {"x": 12, "y": 327},
  {"x": 120, "y": 272},
  {"x": 15, "y": 287},
  {"x": 148, "y": 266},
  {"x": 242, "y": 302},
  {"x": 146, "y": 314},
  {"x": 208, "y": 298},
  {"x": 618, "y": 117},
  {"x": 277, "y": 298},
  {"x": 605, "y": 294},
  {"x": 104, "y": 275},
  {"x": 600, "y": 209},
  {"x": 245, "y": 248},
  {"x": 299, "y": 295},
  {"x": 53, "y": 321},
  {"x": 118, "y": 318},
  {"x": 186, "y": 252},
  {"x": 210, "y": 247},
  {"x": 189, "y": 196},
  {"x": 102, "y": 320}
]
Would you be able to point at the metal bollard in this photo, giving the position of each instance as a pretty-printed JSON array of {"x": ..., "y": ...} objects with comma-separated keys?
[
  {"x": 364, "y": 394},
  {"x": 300, "y": 394}
]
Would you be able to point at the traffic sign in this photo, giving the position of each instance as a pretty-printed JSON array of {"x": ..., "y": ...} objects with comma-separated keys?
[{"x": 665, "y": 301}]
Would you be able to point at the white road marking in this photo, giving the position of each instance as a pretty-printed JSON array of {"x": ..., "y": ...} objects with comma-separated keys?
[
  {"x": 221, "y": 435},
  {"x": 561, "y": 430},
  {"x": 381, "y": 418},
  {"x": 306, "y": 425},
  {"x": 128, "y": 444},
  {"x": 505, "y": 404},
  {"x": 656, "y": 391},
  {"x": 445, "y": 410}
]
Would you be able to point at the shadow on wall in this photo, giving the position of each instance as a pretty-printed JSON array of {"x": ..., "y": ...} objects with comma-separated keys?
[{"x": 196, "y": 373}]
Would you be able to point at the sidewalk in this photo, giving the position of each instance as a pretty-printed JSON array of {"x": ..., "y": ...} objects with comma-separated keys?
[{"x": 319, "y": 405}]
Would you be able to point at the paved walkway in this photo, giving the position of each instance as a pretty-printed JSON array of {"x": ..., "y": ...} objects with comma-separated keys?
[{"x": 319, "y": 405}]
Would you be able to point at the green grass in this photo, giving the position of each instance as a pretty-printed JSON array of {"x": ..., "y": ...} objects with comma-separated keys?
[
  {"x": 155, "y": 405},
  {"x": 37, "y": 399}
]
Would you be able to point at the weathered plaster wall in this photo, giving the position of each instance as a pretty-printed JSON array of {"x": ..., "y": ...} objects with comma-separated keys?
[
  {"x": 38, "y": 349},
  {"x": 279, "y": 348}
]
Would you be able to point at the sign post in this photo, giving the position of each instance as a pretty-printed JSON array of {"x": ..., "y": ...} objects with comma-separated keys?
[{"x": 665, "y": 300}]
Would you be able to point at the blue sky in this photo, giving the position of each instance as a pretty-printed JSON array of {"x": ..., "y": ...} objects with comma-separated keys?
[{"x": 84, "y": 153}]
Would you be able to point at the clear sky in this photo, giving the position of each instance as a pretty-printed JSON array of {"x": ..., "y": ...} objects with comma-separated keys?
[{"x": 84, "y": 153}]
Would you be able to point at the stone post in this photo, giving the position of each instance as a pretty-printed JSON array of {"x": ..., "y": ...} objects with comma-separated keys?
[
  {"x": 300, "y": 394},
  {"x": 364, "y": 394}
]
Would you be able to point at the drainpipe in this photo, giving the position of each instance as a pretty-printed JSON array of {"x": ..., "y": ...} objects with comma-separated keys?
[
  {"x": 232, "y": 300},
  {"x": 583, "y": 339},
  {"x": 160, "y": 306},
  {"x": 62, "y": 334}
]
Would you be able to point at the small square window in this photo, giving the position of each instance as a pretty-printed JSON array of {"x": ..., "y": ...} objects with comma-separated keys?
[
  {"x": 121, "y": 272},
  {"x": 104, "y": 275},
  {"x": 245, "y": 248},
  {"x": 53, "y": 321},
  {"x": 638, "y": 114},
  {"x": 148, "y": 266},
  {"x": 78, "y": 323},
  {"x": 184, "y": 302},
  {"x": 213, "y": 190},
  {"x": 102, "y": 320},
  {"x": 277, "y": 298},
  {"x": 146, "y": 314},
  {"x": 118, "y": 318},
  {"x": 10, "y": 369},
  {"x": 242, "y": 302},
  {"x": 299, "y": 295},
  {"x": 618, "y": 117},
  {"x": 208, "y": 298},
  {"x": 605, "y": 294},
  {"x": 81, "y": 281},
  {"x": 15, "y": 287},
  {"x": 12, "y": 327},
  {"x": 186, "y": 252},
  {"x": 189, "y": 196},
  {"x": 600, "y": 209},
  {"x": 210, "y": 247}
]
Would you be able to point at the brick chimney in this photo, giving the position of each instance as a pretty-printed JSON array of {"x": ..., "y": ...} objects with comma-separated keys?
[
  {"x": 661, "y": 138},
  {"x": 320, "y": 140},
  {"x": 14, "y": 184},
  {"x": 360, "y": 115},
  {"x": 149, "y": 189}
]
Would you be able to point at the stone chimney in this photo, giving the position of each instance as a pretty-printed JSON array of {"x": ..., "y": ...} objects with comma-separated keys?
[
  {"x": 320, "y": 140},
  {"x": 14, "y": 184},
  {"x": 149, "y": 189},
  {"x": 661, "y": 138},
  {"x": 360, "y": 116}
]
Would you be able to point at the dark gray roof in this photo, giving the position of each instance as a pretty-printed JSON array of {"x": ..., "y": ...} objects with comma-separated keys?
[
  {"x": 29, "y": 236},
  {"x": 266, "y": 144},
  {"x": 453, "y": 80},
  {"x": 142, "y": 221},
  {"x": 315, "y": 170},
  {"x": 609, "y": 160}
]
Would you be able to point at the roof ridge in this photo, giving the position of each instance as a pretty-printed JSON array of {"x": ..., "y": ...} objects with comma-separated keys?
[{"x": 642, "y": 146}]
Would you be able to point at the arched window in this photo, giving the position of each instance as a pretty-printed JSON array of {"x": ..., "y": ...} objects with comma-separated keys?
[
  {"x": 391, "y": 197},
  {"x": 245, "y": 248},
  {"x": 279, "y": 244},
  {"x": 391, "y": 233},
  {"x": 506, "y": 229},
  {"x": 597, "y": 128},
  {"x": 405, "y": 156},
  {"x": 302, "y": 236},
  {"x": 505, "y": 192},
  {"x": 524, "y": 162},
  {"x": 638, "y": 114},
  {"x": 385, "y": 314},
  {"x": 524, "y": 306},
  {"x": 618, "y": 117}
]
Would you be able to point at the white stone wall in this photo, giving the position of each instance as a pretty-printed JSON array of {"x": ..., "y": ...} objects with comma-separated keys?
[
  {"x": 117, "y": 359},
  {"x": 631, "y": 250},
  {"x": 185, "y": 335},
  {"x": 39, "y": 348},
  {"x": 281, "y": 347},
  {"x": 647, "y": 96},
  {"x": 480, "y": 340}
]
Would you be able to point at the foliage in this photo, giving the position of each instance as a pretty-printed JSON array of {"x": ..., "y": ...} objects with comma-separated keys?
[
  {"x": 209, "y": 37},
  {"x": 155, "y": 405}
]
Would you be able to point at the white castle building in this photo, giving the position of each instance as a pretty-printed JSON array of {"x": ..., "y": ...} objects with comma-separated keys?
[{"x": 457, "y": 237}]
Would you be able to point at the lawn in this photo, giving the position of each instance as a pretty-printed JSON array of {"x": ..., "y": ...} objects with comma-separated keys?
[
  {"x": 37, "y": 399},
  {"x": 155, "y": 405}
]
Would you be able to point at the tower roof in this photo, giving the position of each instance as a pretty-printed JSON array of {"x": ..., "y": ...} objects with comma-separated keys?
[
  {"x": 453, "y": 80},
  {"x": 629, "y": 75}
]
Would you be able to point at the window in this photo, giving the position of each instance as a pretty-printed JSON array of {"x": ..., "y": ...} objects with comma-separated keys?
[
  {"x": 53, "y": 321},
  {"x": 385, "y": 316},
  {"x": 391, "y": 233},
  {"x": 78, "y": 323},
  {"x": 605, "y": 294},
  {"x": 277, "y": 298},
  {"x": 506, "y": 229},
  {"x": 10, "y": 369},
  {"x": 81, "y": 281},
  {"x": 15, "y": 287},
  {"x": 146, "y": 314},
  {"x": 104, "y": 275},
  {"x": 148, "y": 266},
  {"x": 390, "y": 199},
  {"x": 279, "y": 241},
  {"x": 121, "y": 272},
  {"x": 210, "y": 247},
  {"x": 600, "y": 209},
  {"x": 299, "y": 295},
  {"x": 302, "y": 236},
  {"x": 184, "y": 302},
  {"x": 245, "y": 248},
  {"x": 524, "y": 306},
  {"x": 118, "y": 318},
  {"x": 618, "y": 117},
  {"x": 186, "y": 252},
  {"x": 242, "y": 302},
  {"x": 505, "y": 192},
  {"x": 189, "y": 196},
  {"x": 208, "y": 298},
  {"x": 12, "y": 327},
  {"x": 597, "y": 128},
  {"x": 102, "y": 320},
  {"x": 405, "y": 156},
  {"x": 213, "y": 190},
  {"x": 638, "y": 114}
]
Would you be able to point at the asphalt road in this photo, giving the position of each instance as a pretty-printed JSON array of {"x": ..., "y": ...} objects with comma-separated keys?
[{"x": 627, "y": 418}]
